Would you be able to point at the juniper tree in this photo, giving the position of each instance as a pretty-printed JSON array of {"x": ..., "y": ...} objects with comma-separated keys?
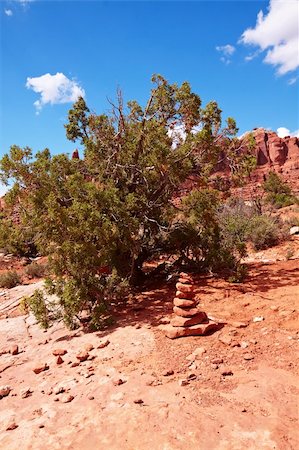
[{"x": 114, "y": 207}]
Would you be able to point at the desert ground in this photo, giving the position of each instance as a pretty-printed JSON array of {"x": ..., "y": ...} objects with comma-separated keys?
[{"x": 132, "y": 388}]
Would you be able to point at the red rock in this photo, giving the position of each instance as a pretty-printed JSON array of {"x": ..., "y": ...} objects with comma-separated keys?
[
  {"x": 67, "y": 398},
  {"x": 82, "y": 356},
  {"x": 89, "y": 347},
  {"x": 14, "y": 350},
  {"x": 185, "y": 312},
  {"x": 103, "y": 344},
  {"x": 167, "y": 373},
  {"x": 40, "y": 368},
  {"x": 188, "y": 288},
  {"x": 182, "y": 302},
  {"x": 118, "y": 381},
  {"x": 225, "y": 339},
  {"x": 185, "y": 280},
  {"x": 75, "y": 364},
  {"x": 186, "y": 276},
  {"x": 27, "y": 392},
  {"x": 59, "y": 352},
  {"x": 11, "y": 425},
  {"x": 138, "y": 401},
  {"x": 184, "y": 295},
  {"x": 227, "y": 372},
  {"x": 195, "y": 330},
  {"x": 179, "y": 321},
  {"x": 4, "y": 391},
  {"x": 59, "y": 360}
]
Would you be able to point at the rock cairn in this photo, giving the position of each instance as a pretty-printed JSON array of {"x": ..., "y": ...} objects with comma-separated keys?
[{"x": 188, "y": 319}]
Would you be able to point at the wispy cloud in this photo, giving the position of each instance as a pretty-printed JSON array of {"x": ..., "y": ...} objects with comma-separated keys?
[
  {"x": 276, "y": 32},
  {"x": 292, "y": 81},
  {"x": 226, "y": 51},
  {"x": 54, "y": 89},
  {"x": 8, "y": 12}
]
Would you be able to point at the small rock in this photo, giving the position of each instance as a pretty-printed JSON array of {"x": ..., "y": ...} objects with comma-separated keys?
[
  {"x": 244, "y": 410},
  {"x": 227, "y": 372},
  {"x": 118, "y": 381},
  {"x": 138, "y": 326},
  {"x": 40, "y": 368},
  {"x": 58, "y": 390},
  {"x": 294, "y": 230},
  {"x": 89, "y": 347},
  {"x": 75, "y": 364},
  {"x": 11, "y": 425},
  {"x": 90, "y": 397},
  {"x": 258, "y": 319},
  {"x": 82, "y": 356},
  {"x": 104, "y": 344},
  {"x": 27, "y": 392},
  {"x": 214, "y": 366},
  {"x": 244, "y": 344},
  {"x": 138, "y": 401},
  {"x": 67, "y": 398},
  {"x": 225, "y": 339},
  {"x": 59, "y": 360},
  {"x": 183, "y": 382},
  {"x": 4, "y": 391},
  {"x": 239, "y": 324},
  {"x": 274, "y": 308},
  {"x": 191, "y": 376},
  {"x": 59, "y": 352},
  {"x": 14, "y": 350},
  {"x": 248, "y": 356},
  {"x": 217, "y": 361},
  {"x": 167, "y": 373}
]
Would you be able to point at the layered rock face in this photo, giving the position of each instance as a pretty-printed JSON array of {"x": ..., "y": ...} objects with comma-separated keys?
[{"x": 276, "y": 154}]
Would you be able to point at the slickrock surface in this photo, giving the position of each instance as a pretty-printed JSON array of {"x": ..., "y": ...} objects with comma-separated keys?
[{"x": 231, "y": 390}]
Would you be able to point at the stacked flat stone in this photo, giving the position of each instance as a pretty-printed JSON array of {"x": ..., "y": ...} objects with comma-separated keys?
[{"x": 188, "y": 319}]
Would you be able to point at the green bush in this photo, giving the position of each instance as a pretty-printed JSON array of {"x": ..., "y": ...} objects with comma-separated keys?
[
  {"x": 9, "y": 279},
  {"x": 264, "y": 232},
  {"x": 35, "y": 270},
  {"x": 279, "y": 192}
]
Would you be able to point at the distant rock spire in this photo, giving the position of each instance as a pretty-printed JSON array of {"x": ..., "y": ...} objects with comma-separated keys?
[{"x": 75, "y": 154}]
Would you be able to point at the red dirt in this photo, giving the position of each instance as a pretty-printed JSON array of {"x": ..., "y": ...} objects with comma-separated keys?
[{"x": 256, "y": 407}]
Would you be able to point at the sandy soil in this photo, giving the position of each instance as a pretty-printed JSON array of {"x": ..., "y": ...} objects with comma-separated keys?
[{"x": 240, "y": 392}]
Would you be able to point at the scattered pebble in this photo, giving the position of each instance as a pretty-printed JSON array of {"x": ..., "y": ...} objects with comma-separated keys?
[
  {"x": 59, "y": 352},
  {"x": 258, "y": 319},
  {"x": 118, "y": 381},
  {"x": 104, "y": 344},
  {"x": 227, "y": 372},
  {"x": 14, "y": 350},
  {"x": 89, "y": 347},
  {"x": 4, "y": 391},
  {"x": 82, "y": 356},
  {"x": 11, "y": 425},
  {"x": 90, "y": 397},
  {"x": 27, "y": 392},
  {"x": 183, "y": 382},
  {"x": 40, "y": 368},
  {"x": 67, "y": 398},
  {"x": 139, "y": 401},
  {"x": 167, "y": 373},
  {"x": 248, "y": 356},
  {"x": 59, "y": 360},
  {"x": 244, "y": 344}
]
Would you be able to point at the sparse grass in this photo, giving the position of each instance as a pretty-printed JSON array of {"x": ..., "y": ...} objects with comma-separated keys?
[
  {"x": 35, "y": 270},
  {"x": 9, "y": 279}
]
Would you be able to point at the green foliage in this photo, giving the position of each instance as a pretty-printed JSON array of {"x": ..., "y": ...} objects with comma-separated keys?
[
  {"x": 9, "y": 279},
  {"x": 35, "y": 270},
  {"x": 264, "y": 232},
  {"x": 279, "y": 193},
  {"x": 115, "y": 207}
]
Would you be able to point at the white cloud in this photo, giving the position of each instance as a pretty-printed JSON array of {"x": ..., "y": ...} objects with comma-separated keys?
[
  {"x": 227, "y": 51},
  {"x": 283, "y": 132},
  {"x": 292, "y": 81},
  {"x": 54, "y": 89},
  {"x": 277, "y": 33},
  {"x": 8, "y": 12}
]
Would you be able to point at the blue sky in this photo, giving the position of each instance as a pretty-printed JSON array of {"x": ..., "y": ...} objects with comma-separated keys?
[{"x": 91, "y": 47}]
